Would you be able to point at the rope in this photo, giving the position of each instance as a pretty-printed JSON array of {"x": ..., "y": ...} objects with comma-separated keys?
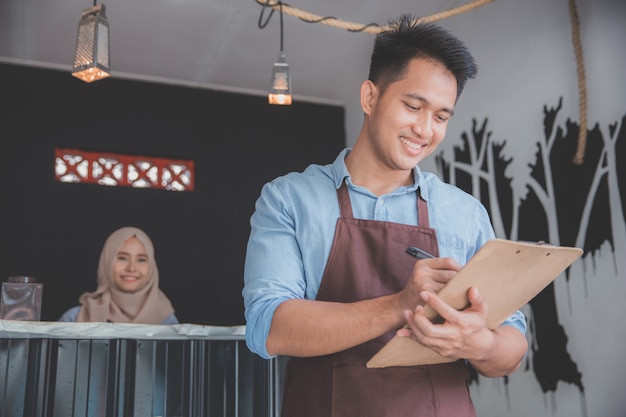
[
  {"x": 582, "y": 89},
  {"x": 372, "y": 28}
]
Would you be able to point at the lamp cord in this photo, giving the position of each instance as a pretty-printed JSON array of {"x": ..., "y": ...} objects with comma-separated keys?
[
  {"x": 262, "y": 24},
  {"x": 280, "y": 3}
]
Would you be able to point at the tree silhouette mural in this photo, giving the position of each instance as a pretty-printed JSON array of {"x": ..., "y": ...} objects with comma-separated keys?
[{"x": 558, "y": 202}]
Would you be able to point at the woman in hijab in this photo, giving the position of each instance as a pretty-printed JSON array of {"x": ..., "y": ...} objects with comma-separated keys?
[{"x": 128, "y": 284}]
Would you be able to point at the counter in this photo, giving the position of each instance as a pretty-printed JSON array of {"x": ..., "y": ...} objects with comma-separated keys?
[{"x": 57, "y": 369}]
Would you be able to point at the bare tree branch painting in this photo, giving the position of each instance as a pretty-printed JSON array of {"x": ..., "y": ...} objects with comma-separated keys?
[{"x": 563, "y": 204}]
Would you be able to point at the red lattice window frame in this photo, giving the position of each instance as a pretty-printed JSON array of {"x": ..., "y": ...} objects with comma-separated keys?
[{"x": 112, "y": 169}]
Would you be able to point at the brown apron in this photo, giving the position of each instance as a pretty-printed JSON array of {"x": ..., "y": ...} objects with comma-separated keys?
[{"x": 368, "y": 260}]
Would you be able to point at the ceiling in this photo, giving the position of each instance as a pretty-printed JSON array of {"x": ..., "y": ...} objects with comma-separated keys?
[{"x": 212, "y": 43}]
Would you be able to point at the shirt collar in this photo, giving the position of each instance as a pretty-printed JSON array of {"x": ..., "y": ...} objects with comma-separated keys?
[
  {"x": 340, "y": 173},
  {"x": 340, "y": 170}
]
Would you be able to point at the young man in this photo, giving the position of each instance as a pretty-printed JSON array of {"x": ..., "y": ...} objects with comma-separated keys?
[{"x": 327, "y": 280}]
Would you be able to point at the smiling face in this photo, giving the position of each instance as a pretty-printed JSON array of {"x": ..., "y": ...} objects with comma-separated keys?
[
  {"x": 131, "y": 266},
  {"x": 407, "y": 120}
]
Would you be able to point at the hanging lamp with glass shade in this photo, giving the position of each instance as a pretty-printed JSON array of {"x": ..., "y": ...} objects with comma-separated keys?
[
  {"x": 280, "y": 89},
  {"x": 91, "y": 60}
]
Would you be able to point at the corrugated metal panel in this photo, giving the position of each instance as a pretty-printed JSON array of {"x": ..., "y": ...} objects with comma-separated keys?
[{"x": 124, "y": 377}]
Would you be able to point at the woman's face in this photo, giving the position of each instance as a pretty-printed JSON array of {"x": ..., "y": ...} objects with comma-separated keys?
[{"x": 131, "y": 266}]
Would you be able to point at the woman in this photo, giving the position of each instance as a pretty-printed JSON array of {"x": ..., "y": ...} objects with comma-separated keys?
[{"x": 128, "y": 284}]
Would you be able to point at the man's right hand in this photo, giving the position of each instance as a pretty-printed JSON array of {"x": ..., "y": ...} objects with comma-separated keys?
[{"x": 428, "y": 275}]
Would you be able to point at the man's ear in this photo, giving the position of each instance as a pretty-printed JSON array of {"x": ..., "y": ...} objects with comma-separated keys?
[{"x": 369, "y": 95}]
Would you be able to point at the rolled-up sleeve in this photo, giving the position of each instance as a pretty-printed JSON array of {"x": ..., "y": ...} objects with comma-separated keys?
[
  {"x": 273, "y": 271},
  {"x": 517, "y": 320}
]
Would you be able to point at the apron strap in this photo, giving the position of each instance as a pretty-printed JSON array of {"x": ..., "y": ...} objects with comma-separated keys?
[
  {"x": 345, "y": 206},
  {"x": 422, "y": 210}
]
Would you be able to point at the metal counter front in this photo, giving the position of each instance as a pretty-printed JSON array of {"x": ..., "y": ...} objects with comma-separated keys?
[{"x": 111, "y": 370}]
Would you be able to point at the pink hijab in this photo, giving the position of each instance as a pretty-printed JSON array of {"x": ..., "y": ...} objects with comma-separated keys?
[{"x": 147, "y": 306}]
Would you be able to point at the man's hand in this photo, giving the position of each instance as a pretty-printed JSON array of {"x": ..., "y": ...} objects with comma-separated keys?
[
  {"x": 464, "y": 334},
  {"x": 429, "y": 275}
]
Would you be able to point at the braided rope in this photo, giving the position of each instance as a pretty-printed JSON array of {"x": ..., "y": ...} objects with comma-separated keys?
[
  {"x": 372, "y": 28},
  {"x": 582, "y": 89}
]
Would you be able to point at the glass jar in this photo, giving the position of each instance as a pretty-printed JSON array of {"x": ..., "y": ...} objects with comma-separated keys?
[{"x": 21, "y": 298}]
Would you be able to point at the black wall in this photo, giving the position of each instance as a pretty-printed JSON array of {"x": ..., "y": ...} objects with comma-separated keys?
[{"x": 54, "y": 231}]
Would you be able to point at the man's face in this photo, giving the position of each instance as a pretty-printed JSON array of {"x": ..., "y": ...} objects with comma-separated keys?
[
  {"x": 408, "y": 120},
  {"x": 131, "y": 266}
]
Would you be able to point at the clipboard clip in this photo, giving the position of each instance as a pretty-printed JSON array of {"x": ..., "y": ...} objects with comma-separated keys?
[{"x": 539, "y": 242}]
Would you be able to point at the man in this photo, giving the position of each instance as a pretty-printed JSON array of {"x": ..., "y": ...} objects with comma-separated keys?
[{"x": 327, "y": 281}]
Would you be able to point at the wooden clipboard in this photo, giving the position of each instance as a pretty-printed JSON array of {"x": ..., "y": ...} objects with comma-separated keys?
[{"x": 508, "y": 274}]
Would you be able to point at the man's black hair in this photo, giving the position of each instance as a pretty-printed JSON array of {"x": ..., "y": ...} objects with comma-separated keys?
[{"x": 405, "y": 39}]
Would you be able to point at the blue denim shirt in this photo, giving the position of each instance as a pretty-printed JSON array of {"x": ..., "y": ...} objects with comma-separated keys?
[{"x": 293, "y": 226}]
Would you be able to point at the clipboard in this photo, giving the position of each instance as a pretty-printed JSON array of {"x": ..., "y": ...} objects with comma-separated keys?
[{"x": 508, "y": 274}]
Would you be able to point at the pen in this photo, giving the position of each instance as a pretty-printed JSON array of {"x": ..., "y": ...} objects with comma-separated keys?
[{"x": 418, "y": 253}]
